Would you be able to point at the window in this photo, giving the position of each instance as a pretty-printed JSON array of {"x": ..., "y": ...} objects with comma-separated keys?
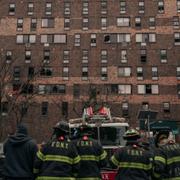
[
  {"x": 141, "y": 7},
  {"x": 123, "y": 38},
  {"x": 178, "y": 90},
  {"x": 48, "y": 8},
  {"x": 77, "y": 40},
  {"x": 137, "y": 22},
  {"x": 30, "y": 8},
  {"x": 16, "y": 73},
  {"x": 67, "y": 8},
  {"x": 65, "y": 109},
  {"x": 124, "y": 89},
  {"x": 154, "y": 73},
  {"x": 85, "y": 23},
  {"x": 166, "y": 107},
  {"x": 57, "y": 89},
  {"x": 85, "y": 8},
  {"x": 176, "y": 22},
  {"x": 84, "y": 73},
  {"x": 104, "y": 23},
  {"x": 161, "y": 6},
  {"x": 125, "y": 109},
  {"x": 104, "y": 73},
  {"x": 47, "y": 23},
  {"x": 124, "y": 71},
  {"x": 178, "y": 5},
  {"x": 19, "y": 24},
  {"x": 76, "y": 90},
  {"x": 20, "y": 39},
  {"x": 123, "y": 56},
  {"x": 66, "y": 23},
  {"x": 46, "y": 56},
  {"x": 123, "y": 22},
  {"x": 66, "y": 56},
  {"x": 177, "y": 38},
  {"x": 104, "y": 56},
  {"x": 114, "y": 88},
  {"x": 139, "y": 73},
  {"x": 163, "y": 55},
  {"x": 46, "y": 71},
  {"x": 27, "y": 88},
  {"x": 93, "y": 39},
  {"x": 146, "y": 37},
  {"x": 143, "y": 55},
  {"x": 31, "y": 72},
  {"x": 44, "y": 108},
  {"x": 145, "y": 105},
  {"x": 178, "y": 72},
  {"x": 53, "y": 38},
  {"x": 4, "y": 108},
  {"x": 12, "y": 8},
  {"x": 103, "y": 6},
  {"x": 59, "y": 38},
  {"x": 8, "y": 56},
  {"x": 27, "y": 56},
  {"x": 152, "y": 23},
  {"x": 52, "y": 89},
  {"x": 122, "y": 6},
  {"x": 117, "y": 38},
  {"x": 33, "y": 24},
  {"x": 65, "y": 73},
  {"x": 148, "y": 89},
  {"x": 85, "y": 56}
]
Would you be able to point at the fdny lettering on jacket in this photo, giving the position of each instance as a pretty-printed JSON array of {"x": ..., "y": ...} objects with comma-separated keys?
[
  {"x": 59, "y": 144},
  {"x": 133, "y": 152},
  {"x": 84, "y": 143}
]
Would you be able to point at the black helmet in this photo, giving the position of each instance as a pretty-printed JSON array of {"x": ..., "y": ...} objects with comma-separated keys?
[
  {"x": 131, "y": 134},
  {"x": 163, "y": 134},
  {"x": 61, "y": 126},
  {"x": 85, "y": 129}
]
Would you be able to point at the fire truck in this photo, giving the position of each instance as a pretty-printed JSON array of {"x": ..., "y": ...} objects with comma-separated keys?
[{"x": 106, "y": 129}]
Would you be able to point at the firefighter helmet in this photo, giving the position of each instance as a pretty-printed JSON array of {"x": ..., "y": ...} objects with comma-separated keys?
[
  {"x": 161, "y": 137},
  {"x": 62, "y": 126},
  {"x": 131, "y": 134}
]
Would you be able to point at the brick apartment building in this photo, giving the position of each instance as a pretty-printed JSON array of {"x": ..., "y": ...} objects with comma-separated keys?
[{"x": 121, "y": 52}]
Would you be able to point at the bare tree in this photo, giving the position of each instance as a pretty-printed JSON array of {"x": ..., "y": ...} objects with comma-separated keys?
[{"x": 14, "y": 103}]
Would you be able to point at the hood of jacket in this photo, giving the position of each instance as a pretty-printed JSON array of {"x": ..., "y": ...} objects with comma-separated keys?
[{"x": 18, "y": 139}]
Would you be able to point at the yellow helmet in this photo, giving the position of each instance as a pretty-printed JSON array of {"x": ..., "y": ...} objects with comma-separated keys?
[{"x": 131, "y": 134}]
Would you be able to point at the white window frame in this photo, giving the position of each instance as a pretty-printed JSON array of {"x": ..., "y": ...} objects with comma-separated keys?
[
  {"x": 178, "y": 72},
  {"x": 65, "y": 73},
  {"x": 124, "y": 89},
  {"x": 77, "y": 40},
  {"x": 140, "y": 70},
  {"x": 124, "y": 58},
  {"x": 154, "y": 73},
  {"x": 123, "y": 21},
  {"x": 124, "y": 71}
]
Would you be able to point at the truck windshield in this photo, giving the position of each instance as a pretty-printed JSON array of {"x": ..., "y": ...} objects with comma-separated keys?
[{"x": 109, "y": 136}]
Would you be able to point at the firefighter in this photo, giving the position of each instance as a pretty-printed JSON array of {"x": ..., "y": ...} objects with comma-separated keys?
[
  {"x": 133, "y": 162},
  {"x": 167, "y": 157},
  {"x": 92, "y": 155},
  {"x": 58, "y": 159}
]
